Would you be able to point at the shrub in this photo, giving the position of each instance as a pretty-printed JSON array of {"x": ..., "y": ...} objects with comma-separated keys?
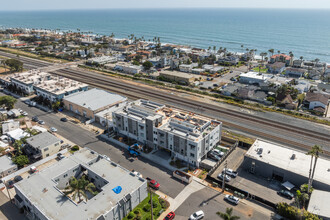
[
  {"x": 75, "y": 148},
  {"x": 138, "y": 211},
  {"x": 163, "y": 203},
  {"x": 131, "y": 215},
  {"x": 147, "y": 208},
  {"x": 155, "y": 204}
]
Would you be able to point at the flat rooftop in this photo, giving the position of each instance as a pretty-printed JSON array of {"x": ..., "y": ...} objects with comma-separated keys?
[
  {"x": 6, "y": 163},
  {"x": 177, "y": 74},
  {"x": 42, "y": 140},
  {"x": 254, "y": 75},
  {"x": 319, "y": 203},
  {"x": 95, "y": 99},
  {"x": 30, "y": 78},
  {"x": 282, "y": 157},
  {"x": 42, "y": 189}
]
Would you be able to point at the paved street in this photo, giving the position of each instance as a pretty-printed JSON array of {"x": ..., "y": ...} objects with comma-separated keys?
[
  {"x": 85, "y": 138},
  {"x": 9, "y": 210},
  {"x": 214, "y": 202}
]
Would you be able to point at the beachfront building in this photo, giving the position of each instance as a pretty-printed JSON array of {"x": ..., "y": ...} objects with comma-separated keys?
[
  {"x": 281, "y": 163},
  {"x": 89, "y": 103},
  {"x": 295, "y": 72},
  {"x": 276, "y": 68},
  {"x": 119, "y": 191},
  {"x": 187, "y": 136},
  {"x": 281, "y": 58},
  {"x": 55, "y": 88}
]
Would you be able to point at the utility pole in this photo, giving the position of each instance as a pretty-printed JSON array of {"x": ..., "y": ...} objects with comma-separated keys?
[
  {"x": 224, "y": 177},
  {"x": 107, "y": 123}
]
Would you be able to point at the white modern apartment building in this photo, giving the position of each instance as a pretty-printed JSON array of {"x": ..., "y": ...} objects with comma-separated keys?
[
  {"x": 55, "y": 88},
  {"x": 189, "y": 137},
  {"x": 41, "y": 196},
  {"x": 26, "y": 81}
]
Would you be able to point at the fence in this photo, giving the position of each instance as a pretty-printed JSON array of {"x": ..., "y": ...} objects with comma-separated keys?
[{"x": 223, "y": 158}]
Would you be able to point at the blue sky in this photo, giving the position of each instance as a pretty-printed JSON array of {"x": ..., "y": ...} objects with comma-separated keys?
[{"x": 104, "y": 4}]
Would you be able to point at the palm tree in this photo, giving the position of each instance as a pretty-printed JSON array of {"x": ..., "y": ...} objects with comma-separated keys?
[
  {"x": 301, "y": 58},
  {"x": 79, "y": 188},
  {"x": 278, "y": 51},
  {"x": 314, "y": 152},
  {"x": 263, "y": 54},
  {"x": 228, "y": 215},
  {"x": 271, "y": 51},
  {"x": 242, "y": 46},
  {"x": 317, "y": 150}
]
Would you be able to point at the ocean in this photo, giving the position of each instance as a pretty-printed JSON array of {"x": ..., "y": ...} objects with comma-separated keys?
[{"x": 304, "y": 32}]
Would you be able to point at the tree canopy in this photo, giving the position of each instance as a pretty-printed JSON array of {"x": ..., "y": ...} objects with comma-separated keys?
[
  {"x": 7, "y": 101},
  {"x": 147, "y": 65},
  {"x": 21, "y": 160},
  {"x": 14, "y": 65}
]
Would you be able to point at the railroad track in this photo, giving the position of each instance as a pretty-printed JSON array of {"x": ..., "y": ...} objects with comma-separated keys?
[
  {"x": 173, "y": 98},
  {"x": 109, "y": 84},
  {"x": 28, "y": 62}
]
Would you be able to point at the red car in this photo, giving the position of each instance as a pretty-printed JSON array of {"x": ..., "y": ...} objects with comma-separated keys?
[
  {"x": 170, "y": 216},
  {"x": 154, "y": 184}
]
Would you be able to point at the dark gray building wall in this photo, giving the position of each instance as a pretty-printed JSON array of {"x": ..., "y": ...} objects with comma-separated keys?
[{"x": 269, "y": 171}]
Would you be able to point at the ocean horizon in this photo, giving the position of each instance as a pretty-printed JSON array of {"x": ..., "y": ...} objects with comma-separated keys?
[{"x": 305, "y": 32}]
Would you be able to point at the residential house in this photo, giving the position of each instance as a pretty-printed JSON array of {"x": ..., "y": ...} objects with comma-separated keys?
[
  {"x": 9, "y": 125},
  {"x": 286, "y": 101},
  {"x": 252, "y": 78},
  {"x": 295, "y": 72},
  {"x": 316, "y": 101},
  {"x": 7, "y": 166},
  {"x": 42, "y": 145},
  {"x": 182, "y": 78},
  {"x": 275, "y": 68},
  {"x": 229, "y": 60}
]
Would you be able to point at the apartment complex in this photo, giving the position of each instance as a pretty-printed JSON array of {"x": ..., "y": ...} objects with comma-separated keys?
[
  {"x": 42, "y": 197},
  {"x": 186, "y": 135},
  {"x": 26, "y": 81}
]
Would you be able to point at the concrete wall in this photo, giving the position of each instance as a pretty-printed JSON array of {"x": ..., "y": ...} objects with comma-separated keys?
[{"x": 52, "y": 149}]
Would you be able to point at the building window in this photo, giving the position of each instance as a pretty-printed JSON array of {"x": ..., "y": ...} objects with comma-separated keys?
[
  {"x": 47, "y": 155},
  {"x": 65, "y": 175},
  {"x": 46, "y": 149},
  {"x": 192, "y": 155},
  {"x": 57, "y": 144}
]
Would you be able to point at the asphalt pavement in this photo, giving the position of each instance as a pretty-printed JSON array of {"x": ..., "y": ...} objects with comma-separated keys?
[
  {"x": 85, "y": 138},
  {"x": 212, "y": 201}
]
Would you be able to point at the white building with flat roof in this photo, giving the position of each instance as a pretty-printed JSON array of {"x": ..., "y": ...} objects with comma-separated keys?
[
  {"x": 119, "y": 190},
  {"x": 319, "y": 204},
  {"x": 285, "y": 164},
  {"x": 189, "y": 137},
  {"x": 6, "y": 166}
]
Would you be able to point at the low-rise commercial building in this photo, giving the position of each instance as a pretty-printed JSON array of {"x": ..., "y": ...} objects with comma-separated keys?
[
  {"x": 183, "y": 78},
  {"x": 281, "y": 163},
  {"x": 319, "y": 204},
  {"x": 42, "y": 145},
  {"x": 6, "y": 166},
  {"x": 187, "y": 136},
  {"x": 252, "y": 78},
  {"x": 119, "y": 191},
  {"x": 130, "y": 69},
  {"x": 89, "y": 103},
  {"x": 101, "y": 60}
]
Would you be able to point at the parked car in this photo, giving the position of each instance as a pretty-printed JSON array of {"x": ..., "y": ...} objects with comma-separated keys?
[
  {"x": 197, "y": 215},
  {"x": 170, "y": 216},
  {"x": 52, "y": 129},
  {"x": 60, "y": 156},
  {"x": 218, "y": 152},
  {"x": 10, "y": 184},
  {"x": 41, "y": 122},
  {"x": 18, "y": 178},
  {"x": 227, "y": 178},
  {"x": 25, "y": 113},
  {"x": 213, "y": 156},
  {"x": 230, "y": 172},
  {"x": 35, "y": 119},
  {"x": 153, "y": 184},
  {"x": 286, "y": 194},
  {"x": 64, "y": 119},
  {"x": 232, "y": 199}
]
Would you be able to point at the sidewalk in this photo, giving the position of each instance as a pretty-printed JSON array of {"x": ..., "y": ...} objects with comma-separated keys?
[
  {"x": 175, "y": 203},
  {"x": 150, "y": 156}
]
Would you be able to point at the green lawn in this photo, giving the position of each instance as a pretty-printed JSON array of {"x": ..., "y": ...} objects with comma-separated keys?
[
  {"x": 142, "y": 211},
  {"x": 262, "y": 70}
]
